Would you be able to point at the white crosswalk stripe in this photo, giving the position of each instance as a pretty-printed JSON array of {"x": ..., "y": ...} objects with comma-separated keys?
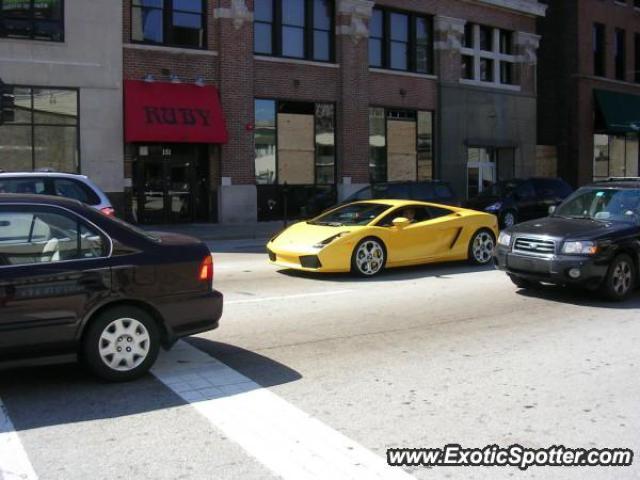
[
  {"x": 14, "y": 462},
  {"x": 289, "y": 442}
]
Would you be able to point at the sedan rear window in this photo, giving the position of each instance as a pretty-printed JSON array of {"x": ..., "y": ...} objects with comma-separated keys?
[{"x": 42, "y": 236}]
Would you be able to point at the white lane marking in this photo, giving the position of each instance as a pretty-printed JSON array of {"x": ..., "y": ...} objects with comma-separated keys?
[
  {"x": 287, "y": 297},
  {"x": 289, "y": 442},
  {"x": 14, "y": 462}
]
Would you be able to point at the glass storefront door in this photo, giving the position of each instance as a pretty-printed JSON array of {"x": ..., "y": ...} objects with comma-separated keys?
[
  {"x": 488, "y": 165},
  {"x": 171, "y": 184},
  {"x": 481, "y": 170}
]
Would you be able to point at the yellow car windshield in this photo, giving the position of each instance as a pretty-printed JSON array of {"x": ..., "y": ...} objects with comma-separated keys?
[{"x": 351, "y": 215}]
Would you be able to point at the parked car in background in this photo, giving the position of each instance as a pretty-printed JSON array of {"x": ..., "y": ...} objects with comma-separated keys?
[
  {"x": 592, "y": 240},
  {"x": 68, "y": 185},
  {"x": 435, "y": 191},
  {"x": 518, "y": 200},
  {"x": 73, "y": 280}
]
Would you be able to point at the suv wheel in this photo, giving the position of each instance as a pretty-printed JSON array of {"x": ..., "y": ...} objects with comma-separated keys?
[
  {"x": 121, "y": 344},
  {"x": 621, "y": 278}
]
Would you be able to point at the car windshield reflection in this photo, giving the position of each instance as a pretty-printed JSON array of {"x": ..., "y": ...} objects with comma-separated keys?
[
  {"x": 351, "y": 215},
  {"x": 605, "y": 205}
]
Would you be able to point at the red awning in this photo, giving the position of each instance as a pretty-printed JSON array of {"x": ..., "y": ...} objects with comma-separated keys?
[{"x": 172, "y": 112}]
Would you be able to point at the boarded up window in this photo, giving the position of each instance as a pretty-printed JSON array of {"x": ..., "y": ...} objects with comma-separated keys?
[
  {"x": 401, "y": 150},
  {"x": 296, "y": 149}
]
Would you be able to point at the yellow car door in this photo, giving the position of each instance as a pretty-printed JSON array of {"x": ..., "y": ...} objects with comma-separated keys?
[
  {"x": 428, "y": 237},
  {"x": 410, "y": 243},
  {"x": 441, "y": 232}
]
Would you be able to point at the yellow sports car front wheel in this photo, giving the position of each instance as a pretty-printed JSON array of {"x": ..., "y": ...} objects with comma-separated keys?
[{"x": 368, "y": 257}]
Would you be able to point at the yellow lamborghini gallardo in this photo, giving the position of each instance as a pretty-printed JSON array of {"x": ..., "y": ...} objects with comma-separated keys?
[{"x": 365, "y": 237}]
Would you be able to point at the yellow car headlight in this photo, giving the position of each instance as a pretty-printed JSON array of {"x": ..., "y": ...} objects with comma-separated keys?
[{"x": 327, "y": 241}]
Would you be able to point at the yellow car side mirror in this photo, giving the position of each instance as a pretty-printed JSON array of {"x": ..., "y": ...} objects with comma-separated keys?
[{"x": 401, "y": 222}]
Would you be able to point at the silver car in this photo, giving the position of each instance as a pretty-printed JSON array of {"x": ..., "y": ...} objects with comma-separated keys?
[{"x": 77, "y": 187}]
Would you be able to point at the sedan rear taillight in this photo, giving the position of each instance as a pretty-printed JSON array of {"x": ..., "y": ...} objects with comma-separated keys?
[
  {"x": 108, "y": 211},
  {"x": 206, "y": 269}
]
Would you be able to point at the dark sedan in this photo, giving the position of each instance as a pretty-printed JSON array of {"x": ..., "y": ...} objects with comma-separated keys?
[
  {"x": 73, "y": 280},
  {"x": 591, "y": 240},
  {"x": 518, "y": 200}
]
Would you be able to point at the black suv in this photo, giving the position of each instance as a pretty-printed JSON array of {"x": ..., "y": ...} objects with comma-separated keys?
[
  {"x": 517, "y": 200},
  {"x": 434, "y": 191},
  {"x": 592, "y": 240}
]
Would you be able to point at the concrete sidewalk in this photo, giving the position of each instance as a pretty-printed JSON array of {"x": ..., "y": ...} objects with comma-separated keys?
[{"x": 213, "y": 231}]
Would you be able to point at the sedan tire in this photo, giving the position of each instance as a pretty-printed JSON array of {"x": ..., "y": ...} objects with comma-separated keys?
[
  {"x": 369, "y": 257},
  {"x": 121, "y": 344},
  {"x": 620, "y": 280}
]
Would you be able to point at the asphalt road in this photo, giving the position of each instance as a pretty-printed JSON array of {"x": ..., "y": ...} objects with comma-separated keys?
[{"x": 316, "y": 376}]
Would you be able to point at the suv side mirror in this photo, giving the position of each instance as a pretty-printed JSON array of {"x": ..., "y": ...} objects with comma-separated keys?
[
  {"x": 552, "y": 210},
  {"x": 401, "y": 222}
]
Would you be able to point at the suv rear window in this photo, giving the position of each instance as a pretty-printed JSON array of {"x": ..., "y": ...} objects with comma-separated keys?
[
  {"x": 22, "y": 185},
  {"x": 68, "y": 188}
]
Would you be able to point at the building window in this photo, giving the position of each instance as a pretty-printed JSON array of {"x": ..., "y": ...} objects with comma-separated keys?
[
  {"x": 620, "y": 52},
  {"x": 40, "y": 130},
  {"x": 506, "y": 73},
  {"x": 176, "y": 23},
  {"x": 294, "y": 143},
  {"x": 506, "y": 42},
  {"x": 599, "y": 50},
  {"x": 486, "y": 70},
  {"x": 469, "y": 35},
  {"x": 401, "y": 41},
  {"x": 400, "y": 145},
  {"x": 615, "y": 156},
  {"x": 376, "y": 39},
  {"x": 295, "y": 158},
  {"x": 32, "y": 19},
  {"x": 265, "y": 141},
  {"x": 468, "y": 68},
  {"x": 488, "y": 55},
  {"x": 294, "y": 29},
  {"x": 486, "y": 38}
]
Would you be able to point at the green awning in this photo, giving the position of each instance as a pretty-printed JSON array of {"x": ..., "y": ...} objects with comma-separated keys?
[{"x": 617, "y": 112}]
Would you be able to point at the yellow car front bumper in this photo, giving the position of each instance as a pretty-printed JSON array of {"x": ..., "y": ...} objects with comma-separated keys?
[{"x": 330, "y": 259}]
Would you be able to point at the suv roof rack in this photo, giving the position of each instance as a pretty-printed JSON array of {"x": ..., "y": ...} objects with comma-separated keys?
[{"x": 623, "y": 179}]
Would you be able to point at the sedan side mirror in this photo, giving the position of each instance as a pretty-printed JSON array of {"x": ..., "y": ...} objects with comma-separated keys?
[
  {"x": 401, "y": 222},
  {"x": 552, "y": 210}
]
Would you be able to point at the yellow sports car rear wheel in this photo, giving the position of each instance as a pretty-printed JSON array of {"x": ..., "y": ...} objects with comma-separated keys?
[
  {"x": 369, "y": 257},
  {"x": 481, "y": 247}
]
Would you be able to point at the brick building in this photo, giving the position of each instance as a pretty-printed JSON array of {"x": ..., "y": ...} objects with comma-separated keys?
[
  {"x": 589, "y": 87},
  {"x": 237, "y": 109}
]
